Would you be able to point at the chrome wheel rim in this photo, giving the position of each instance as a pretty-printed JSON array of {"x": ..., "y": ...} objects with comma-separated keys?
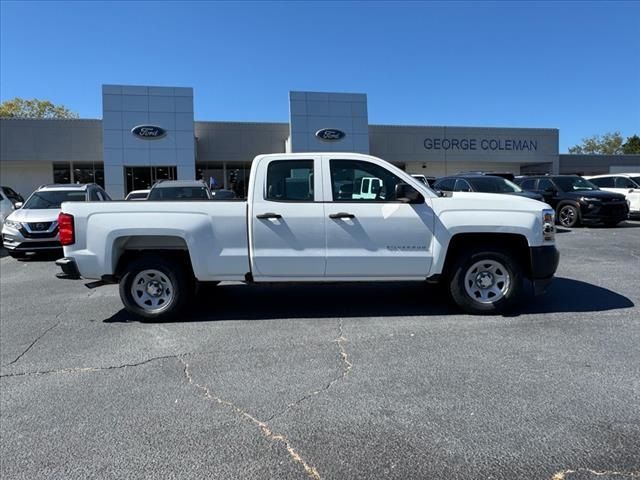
[
  {"x": 567, "y": 216},
  {"x": 487, "y": 281},
  {"x": 152, "y": 291}
]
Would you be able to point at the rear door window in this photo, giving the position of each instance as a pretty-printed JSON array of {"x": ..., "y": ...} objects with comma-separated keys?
[
  {"x": 445, "y": 185},
  {"x": 622, "y": 182},
  {"x": 290, "y": 181},
  {"x": 528, "y": 184},
  {"x": 462, "y": 186},
  {"x": 545, "y": 184},
  {"x": 606, "y": 182}
]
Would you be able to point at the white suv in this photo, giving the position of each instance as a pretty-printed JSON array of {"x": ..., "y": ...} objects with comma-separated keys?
[
  {"x": 33, "y": 227},
  {"x": 8, "y": 200},
  {"x": 627, "y": 184}
]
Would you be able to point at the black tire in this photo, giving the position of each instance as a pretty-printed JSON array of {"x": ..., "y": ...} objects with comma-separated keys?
[
  {"x": 17, "y": 254},
  {"x": 171, "y": 273},
  {"x": 511, "y": 291},
  {"x": 568, "y": 215}
]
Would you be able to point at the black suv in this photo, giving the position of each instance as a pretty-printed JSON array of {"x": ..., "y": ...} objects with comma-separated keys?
[
  {"x": 479, "y": 182},
  {"x": 577, "y": 200}
]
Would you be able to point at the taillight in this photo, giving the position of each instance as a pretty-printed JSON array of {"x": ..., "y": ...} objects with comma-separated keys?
[{"x": 65, "y": 228}]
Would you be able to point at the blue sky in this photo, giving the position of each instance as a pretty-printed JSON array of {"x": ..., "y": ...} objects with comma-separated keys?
[{"x": 574, "y": 66}]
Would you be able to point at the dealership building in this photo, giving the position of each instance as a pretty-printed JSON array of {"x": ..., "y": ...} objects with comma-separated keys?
[{"x": 148, "y": 133}]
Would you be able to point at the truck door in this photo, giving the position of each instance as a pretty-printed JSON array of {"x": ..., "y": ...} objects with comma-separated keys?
[
  {"x": 373, "y": 237},
  {"x": 286, "y": 219}
]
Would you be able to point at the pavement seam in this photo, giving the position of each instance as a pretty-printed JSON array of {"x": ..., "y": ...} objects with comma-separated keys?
[
  {"x": 310, "y": 470},
  {"x": 562, "y": 475},
  {"x": 346, "y": 368}
]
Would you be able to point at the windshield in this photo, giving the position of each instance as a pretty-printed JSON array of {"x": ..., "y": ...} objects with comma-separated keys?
[
  {"x": 493, "y": 185},
  {"x": 636, "y": 180},
  {"x": 574, "y": 184},
  {"x": 179, "y": 193},
  {"x": 53, "y": 199}
]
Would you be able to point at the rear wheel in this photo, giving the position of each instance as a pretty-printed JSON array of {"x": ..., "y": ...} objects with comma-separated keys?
[
  {"x": 568, "y": 216},
  {"x": 486, "y": 282},
  {"x": 155, "y": 288}
]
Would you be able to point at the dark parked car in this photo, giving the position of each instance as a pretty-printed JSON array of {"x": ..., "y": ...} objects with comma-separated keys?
[
  {"x": 576, "y": 200},
  {"x": 481, "y": 183}
]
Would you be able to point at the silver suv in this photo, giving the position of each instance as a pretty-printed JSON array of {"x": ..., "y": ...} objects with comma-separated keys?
[{"x": 33, "y": 227}]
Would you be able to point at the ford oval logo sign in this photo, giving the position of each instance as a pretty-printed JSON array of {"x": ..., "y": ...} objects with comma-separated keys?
[
  {"x": 149, "y": 132},
  {"x": 330, "y": 134}
]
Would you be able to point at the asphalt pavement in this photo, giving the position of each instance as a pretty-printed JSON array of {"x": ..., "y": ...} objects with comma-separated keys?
[{"x": 382, "y": 381}]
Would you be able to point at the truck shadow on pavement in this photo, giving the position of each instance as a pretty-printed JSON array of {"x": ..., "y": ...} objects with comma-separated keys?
[{"x": 267, "y": 302}]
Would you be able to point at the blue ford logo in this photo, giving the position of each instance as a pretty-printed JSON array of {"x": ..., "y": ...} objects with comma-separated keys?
[
  {"x": 330, "y": 134},
  {"x": 148, "y": 132}
]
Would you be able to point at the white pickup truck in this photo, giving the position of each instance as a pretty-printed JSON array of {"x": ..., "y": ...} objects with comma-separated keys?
[{"x": 302, "y": 222}]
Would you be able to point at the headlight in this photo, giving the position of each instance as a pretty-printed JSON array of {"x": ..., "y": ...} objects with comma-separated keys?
[
  {"x": 548, "y": 224},
  {"x": 13, "y": 224},
  {"x": 589, "y": 199}
]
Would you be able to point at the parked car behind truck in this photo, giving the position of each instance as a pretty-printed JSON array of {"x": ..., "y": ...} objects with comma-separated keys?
[
  {"x": 627, "y": 184},
  {"x": 33, "y": 227},
  {"x": 576, "y": 200},
  {"x": 301, "y": 224}
]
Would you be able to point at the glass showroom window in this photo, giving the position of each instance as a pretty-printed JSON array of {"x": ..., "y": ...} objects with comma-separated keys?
[
  {"x": 61, "y": 173},
  {"x": 225, "y": 175},
  {"x": 78, "y": 172},
  {"x": 88, "y": 173}
]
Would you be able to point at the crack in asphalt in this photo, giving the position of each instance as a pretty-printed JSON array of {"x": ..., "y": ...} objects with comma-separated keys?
[
  {"x": 346, "y": 368},
  {"x": 93, "y": 369},
  {"x": 37, "y": 339},
  {"x": 310, "y": 470},
  {"x": 562, "y": 475}
]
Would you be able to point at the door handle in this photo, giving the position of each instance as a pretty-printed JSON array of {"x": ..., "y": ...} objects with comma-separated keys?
[
  {"x": 342, "y": 215},
  {"x": 265, "y": 216}
]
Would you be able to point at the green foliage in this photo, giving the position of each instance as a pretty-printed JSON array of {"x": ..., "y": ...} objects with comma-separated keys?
[
  {"x": 632, "y": 145},
  {"x": 607, "y": 144},
  {"x": 21, "y": 108}
]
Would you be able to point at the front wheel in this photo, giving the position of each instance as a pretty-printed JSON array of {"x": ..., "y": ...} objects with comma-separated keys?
[
  {"x": 486, "y": 282},
  {"x": 155, "y": 288},
  {"x": 568, "y": 216}
]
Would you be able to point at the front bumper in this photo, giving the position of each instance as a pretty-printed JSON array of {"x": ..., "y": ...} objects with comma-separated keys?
[
  {"x": 21, "y": 240},
  {"x": 544, "y": 263},
  {"x": 604, "y": 212}
]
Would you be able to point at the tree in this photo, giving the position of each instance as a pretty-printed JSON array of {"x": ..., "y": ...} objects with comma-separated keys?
[
  {"x": 35, "y": 108},
  {"x": 632, "y": 145},
  {"x": 607, "y": 144}
]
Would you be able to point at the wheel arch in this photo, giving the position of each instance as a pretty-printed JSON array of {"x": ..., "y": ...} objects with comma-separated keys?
[
  {"x": 130, "y": 247},
  {"x": 513, "y": 243}
]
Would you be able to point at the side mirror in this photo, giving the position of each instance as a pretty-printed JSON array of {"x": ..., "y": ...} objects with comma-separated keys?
[
  {"x": 550, "y": 191},
  {"x": 405, "y": 193},
  {"x": 17, "y": 205}
]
